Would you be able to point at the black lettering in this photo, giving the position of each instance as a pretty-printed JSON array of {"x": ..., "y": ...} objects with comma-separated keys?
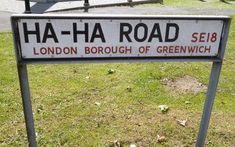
[
  {"x": 76, "y": 32},
  {"x": 158, "y": 35},
  {"x": 49, "y": 33},
  {"x": 167, "y": 36},
  {"x": 125, "y": 32},
  {"x": 136, "y": 30},
  {"x": 31, "y": 32},
  {"x": 97, "y": 33}
]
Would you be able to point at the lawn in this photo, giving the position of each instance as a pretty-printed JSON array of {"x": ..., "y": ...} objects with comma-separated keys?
[
  {"x": 87, "y": 105},
  {"x": 216, "y": 4}
]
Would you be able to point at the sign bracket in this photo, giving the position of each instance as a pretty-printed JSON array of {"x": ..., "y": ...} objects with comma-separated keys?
[{"x": 213, "y": 82}]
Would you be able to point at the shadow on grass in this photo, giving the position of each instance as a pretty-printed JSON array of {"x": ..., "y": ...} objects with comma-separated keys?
[{"x": 224, "y": 1}]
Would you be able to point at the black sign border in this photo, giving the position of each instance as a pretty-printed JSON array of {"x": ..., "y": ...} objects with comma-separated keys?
[{"x": 16, "y": 18}]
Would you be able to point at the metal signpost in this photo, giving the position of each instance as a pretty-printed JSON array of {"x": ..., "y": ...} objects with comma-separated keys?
[
  {"x": 117, "y": 38},
  {"x": 27, "y": 6},
  {"x": 86, "y": 5}
]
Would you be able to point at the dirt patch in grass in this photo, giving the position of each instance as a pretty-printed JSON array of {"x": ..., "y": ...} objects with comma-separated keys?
[{"x": 183, "y": 85}]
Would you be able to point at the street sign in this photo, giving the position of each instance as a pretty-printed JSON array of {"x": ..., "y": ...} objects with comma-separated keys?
[{"x": 127, "y": 37}]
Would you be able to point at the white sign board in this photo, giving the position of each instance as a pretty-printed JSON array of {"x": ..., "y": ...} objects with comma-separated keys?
[{"x": 55, "y": 36}]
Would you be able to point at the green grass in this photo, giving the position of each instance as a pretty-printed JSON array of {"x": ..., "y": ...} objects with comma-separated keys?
[
  {"x": 64, "y": 101},
  {"x": 216, "y": 4}
]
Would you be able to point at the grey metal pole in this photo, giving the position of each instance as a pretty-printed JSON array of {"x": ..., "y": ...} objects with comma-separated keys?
[
  {"x": 25, "y": 93},
  {"x": 86, "y": 5},
  {"x": 214, "y": 78},
  {"x": 130, "y": 3},
  {"x": 27, "y": 6}
]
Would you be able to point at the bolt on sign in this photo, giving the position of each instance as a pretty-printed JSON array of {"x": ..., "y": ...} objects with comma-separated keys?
[
  {"x": 106, "y": 38},
  {"x": 93, "y": 37}
]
